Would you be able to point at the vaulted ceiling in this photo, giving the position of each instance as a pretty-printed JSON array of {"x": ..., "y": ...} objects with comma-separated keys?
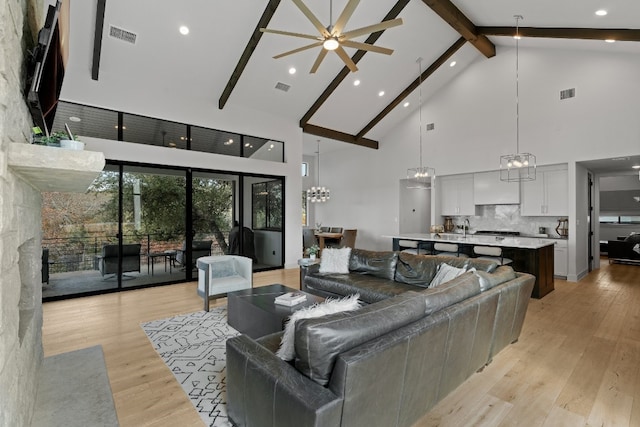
[{"x": 228, "y": 60}]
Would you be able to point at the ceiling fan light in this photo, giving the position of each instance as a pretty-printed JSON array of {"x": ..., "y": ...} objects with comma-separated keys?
[{"x": 331, "y": 43}]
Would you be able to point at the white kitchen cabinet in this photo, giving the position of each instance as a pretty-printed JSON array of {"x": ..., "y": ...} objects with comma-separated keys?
[
  {"x": 547, "y": 195},
  {"x": 456, "y": 195},
  {"x": 560, "y": 261},
  {"x": 488, "y": 189},
  {"x": 560, "y": 258}
]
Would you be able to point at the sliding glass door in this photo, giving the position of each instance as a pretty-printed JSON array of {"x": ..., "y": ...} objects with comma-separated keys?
[
  {"x": 153, "y": 221},
  {"x": 144, "y": 225}
]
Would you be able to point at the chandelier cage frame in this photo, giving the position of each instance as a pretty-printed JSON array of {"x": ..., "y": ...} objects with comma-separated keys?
[
  {"x": 318, "y": 193},
  {"x": 518, "y": 167},
  {"x": 421, "y": 177}
]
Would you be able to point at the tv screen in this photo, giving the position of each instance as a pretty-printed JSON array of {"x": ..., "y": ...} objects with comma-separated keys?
[{"x": 46, "y": 72}]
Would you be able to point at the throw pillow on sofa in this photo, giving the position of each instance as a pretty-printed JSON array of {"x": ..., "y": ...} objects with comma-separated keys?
[
  {"x": 446, "y": 273},
  {"x": 287, "y": 348},
  {"x": 335, "y": 261}
]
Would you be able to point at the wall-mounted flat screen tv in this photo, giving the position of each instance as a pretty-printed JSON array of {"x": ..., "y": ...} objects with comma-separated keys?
[{"x": 45, "y": 71}]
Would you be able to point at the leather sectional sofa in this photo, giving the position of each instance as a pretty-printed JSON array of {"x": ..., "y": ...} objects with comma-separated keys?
[
  {"x": 625, "y": 251},
  {"x": 387, "y": 363}
]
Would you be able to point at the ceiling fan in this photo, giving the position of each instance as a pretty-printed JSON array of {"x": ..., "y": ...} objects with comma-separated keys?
[{"x": 332, "y": 38}]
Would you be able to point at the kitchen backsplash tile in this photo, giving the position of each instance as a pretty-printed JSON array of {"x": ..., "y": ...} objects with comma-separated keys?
[{"x": 508, "y": 218}]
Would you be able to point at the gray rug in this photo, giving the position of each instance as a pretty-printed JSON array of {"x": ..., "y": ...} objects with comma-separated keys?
[
  {"x": 193, "y": 347},
  {"x": 74, "y": 390}
]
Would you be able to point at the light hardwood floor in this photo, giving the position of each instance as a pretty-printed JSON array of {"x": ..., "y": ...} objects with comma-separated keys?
[{"x": 577, "y": 361}]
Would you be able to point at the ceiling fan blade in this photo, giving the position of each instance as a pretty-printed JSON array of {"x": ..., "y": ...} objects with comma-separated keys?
[
  {"x": 287, "y": 33},
  {"x": 371, "y": 29},
  {"x": 346, "y": 59},
  {"x": 300, "y": 49},
  {"x": 321, "y": 55},
  {"x": 344, "y": 16},
  {"x": 366, "y": 46},
  {"x": 311, "y": 17}
]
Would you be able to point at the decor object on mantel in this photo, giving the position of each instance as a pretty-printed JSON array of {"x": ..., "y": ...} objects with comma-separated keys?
[
  {"x": 57, "y": 139},
  {"x": 332, "y": 38},
  {"x": 420, "y": 177},
  {"x": 519, "y": 166},
  {"x": 318, "y": 194}
]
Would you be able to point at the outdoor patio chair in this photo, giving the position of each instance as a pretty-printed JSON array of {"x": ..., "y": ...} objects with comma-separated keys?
[{"x": 108, "y": 258}]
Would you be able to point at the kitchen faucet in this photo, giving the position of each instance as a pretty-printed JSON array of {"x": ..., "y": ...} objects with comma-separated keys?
[{"x": 465, "y": 224}]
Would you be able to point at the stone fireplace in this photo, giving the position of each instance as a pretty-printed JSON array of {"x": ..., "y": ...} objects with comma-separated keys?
[{"x": 25, "y": 171}]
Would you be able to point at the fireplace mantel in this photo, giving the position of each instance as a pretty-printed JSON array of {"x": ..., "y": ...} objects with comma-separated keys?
[{"x": 55, "y": 169}]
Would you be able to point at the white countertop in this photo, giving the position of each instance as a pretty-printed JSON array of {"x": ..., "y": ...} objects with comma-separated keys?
[{"x": 470, "y": 239}]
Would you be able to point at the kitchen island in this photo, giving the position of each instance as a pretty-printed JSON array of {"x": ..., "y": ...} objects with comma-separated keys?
[{"x": 529, "y": 254}]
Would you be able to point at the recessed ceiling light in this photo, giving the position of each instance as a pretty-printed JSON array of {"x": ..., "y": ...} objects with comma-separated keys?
[
  {"x": 246, "y": 144},
  {"x": 123, "y": 127},
  {"x": 452, "y": 64},
  {"x": 292, "y": 70},
  {"x": 610, "y": 40},
  {"x": 601, "y": 12},
  {"x": 406, "y": 104},
  {"x": 356, "y": 82},
  {"x": 75, "y": 119},
  {"x": 229, "y": 142},
  {"x": 636, "y": 166},
  {"x": 184, "y": 30},
  {"x": 517, "y": 37},
  {"x": 381, "y": 93}
]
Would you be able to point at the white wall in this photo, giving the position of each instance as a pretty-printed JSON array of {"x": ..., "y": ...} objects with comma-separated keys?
[{"x": 474, "y": 119}]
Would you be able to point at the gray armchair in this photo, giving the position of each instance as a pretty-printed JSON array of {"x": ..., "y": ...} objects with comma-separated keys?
[{"x": 108, "y": 259}]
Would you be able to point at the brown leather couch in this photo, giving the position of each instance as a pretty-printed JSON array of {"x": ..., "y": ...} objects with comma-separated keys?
[{"x": 385, "y": 364}]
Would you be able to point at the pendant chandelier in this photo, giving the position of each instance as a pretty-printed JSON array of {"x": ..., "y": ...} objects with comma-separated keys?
[
  {"x": 318, "y": 194},
  {"x": 519, "y": 166},
  {"x": 420, "y": 177}
]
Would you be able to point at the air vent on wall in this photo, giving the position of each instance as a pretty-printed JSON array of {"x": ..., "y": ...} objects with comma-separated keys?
[
  {"x": 282, "y": 86},
  {"x": 121, "y": 34},
  {"x": 431, "y": 126},
  {"x": 567, "y": 93}
]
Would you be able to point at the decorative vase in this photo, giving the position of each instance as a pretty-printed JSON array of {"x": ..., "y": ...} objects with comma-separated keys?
[
  {"x": 312, "y": 256},
  {"x": 448, "y": 224}
]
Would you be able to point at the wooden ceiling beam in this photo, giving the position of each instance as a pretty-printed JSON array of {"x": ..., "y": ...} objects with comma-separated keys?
[
  {"x": 405, "y": 93},
  {"x": 339, "y": 136},
  {"x": 463, "y": 25},
  {"x": 393, "y": 13},
  {"x": 619, "y": 34},
  {"x": 248, "y": 51}
]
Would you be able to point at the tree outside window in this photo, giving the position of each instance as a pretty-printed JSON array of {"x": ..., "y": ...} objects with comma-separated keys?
[{"x": 267, "y": 205}]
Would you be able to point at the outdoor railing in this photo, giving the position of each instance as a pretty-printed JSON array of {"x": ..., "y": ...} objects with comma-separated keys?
[{"x": 67, "y": 254}]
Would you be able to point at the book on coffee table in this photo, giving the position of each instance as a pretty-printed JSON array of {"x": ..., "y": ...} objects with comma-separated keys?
[{"x": 290, "y": 298}]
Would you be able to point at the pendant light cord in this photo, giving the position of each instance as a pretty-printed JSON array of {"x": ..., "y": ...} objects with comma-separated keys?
[
  {"x": 419, "y": 60},
  {"x": 318, "y": 183},
  {"x": 518, "y": 18}
]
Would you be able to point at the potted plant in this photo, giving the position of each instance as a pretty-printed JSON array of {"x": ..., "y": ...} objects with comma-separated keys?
[
  {"x": 59, "y": 139},
  {"x": 313, "y": 251}
]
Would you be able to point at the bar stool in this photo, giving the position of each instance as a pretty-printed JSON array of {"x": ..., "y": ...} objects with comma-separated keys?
[
  {"x": 491, "y": 253},
  {"x": 448, "y": 249},
  {"x": 415, "y": 247}
]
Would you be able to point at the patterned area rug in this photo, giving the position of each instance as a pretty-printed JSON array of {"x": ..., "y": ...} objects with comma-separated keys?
[{"x": 193, "y": 347}]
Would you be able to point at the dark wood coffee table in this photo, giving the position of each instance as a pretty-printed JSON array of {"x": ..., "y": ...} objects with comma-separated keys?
[{"x": 253, "y": 312}]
